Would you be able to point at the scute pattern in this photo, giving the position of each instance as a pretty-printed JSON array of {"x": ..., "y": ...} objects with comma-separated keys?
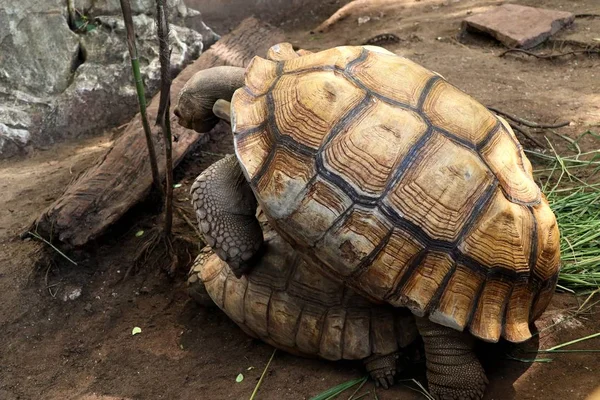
[
  {"x": 503, "y": 236},
  {"x": 411, "y": 190},
  {"x": 403, "y": 82},
  {"x": 466, "y": 119},
  {"x": 314, "y": 102},
  {"x": 287, "y": 303},
  {"x": 355, "y": 153},
  {"x": 442, "y": 189},
  {"x": 506, "y": 160}
]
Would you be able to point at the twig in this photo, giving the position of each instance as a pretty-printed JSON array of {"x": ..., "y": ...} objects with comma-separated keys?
[
  {"x": 163, "y": 116},
  {"x": 190, "y": 223},
  {"x": 549, "y": 56},
  {"x": 526, "y": 134},
  {"x": 586, "y": 15},
  {"x": 35, "y": 235},
  {"x": 262, "y": 375},
  {"x": 139, "y": 86},
  {"x": 71, "y": 13},
  {"x": 528, "y": 123}
]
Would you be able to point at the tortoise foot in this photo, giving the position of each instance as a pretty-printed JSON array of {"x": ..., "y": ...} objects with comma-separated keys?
[{"x": 382, "y": 369}]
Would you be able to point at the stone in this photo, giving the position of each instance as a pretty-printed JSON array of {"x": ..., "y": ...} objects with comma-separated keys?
[
  {"x": 179, "y": 14},
  {"x": 105, "y": 79},
  {"x": 57, "y": 83},
  {"x": 519, "y": 26},
  {"x": 27, "y": 39},
  {"x": 71, "y": 293}
]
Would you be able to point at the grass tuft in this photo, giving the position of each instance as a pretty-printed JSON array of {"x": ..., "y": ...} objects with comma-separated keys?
[
  {"x": 335, "y": 391},
  {"x": 572, "y": 187}
]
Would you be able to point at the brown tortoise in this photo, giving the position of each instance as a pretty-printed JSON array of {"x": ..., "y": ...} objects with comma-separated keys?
[
  {"x": 335, "y": 323},
  {"x": 387, "y": 177}
]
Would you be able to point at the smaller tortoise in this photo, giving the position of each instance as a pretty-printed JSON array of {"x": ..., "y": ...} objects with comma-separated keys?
[{"x": 291, "y": 306}]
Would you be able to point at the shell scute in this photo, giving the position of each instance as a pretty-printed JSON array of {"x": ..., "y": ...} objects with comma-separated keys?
[
  {"x": 458, "y": 298},
  {"x": 489, "y": 315},
  {"x": 424, "y": 282},
  {"x": 506, "y": 160},
  {"x": 453, "y": 111},
  {"x": 323, "y": 204},
  {"x": 441, "y": 189},
  {"x": 388, "y": 268},
  {"x": 283, "y": 184},
  {"x": 392, "y": 77},
  {"x": 502, "y": 237},
  {"x": 307, "y": 106},
  {"x": 338, "y": 57},
  {"x": 367, "y": 152},
  {"x": 260, "y": 75},
  {"x": 354, "y": 240}
]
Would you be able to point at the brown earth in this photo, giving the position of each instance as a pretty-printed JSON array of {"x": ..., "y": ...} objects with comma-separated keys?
[{"x": 83, "y": 349}]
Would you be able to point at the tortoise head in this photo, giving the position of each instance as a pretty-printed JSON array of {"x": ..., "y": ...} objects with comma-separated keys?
[{"x": 195, "y": 103}]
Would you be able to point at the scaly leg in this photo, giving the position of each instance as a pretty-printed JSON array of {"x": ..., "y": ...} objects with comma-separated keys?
[
  {"x": 226, "y": 211},
  {"x": 453, "y": 370}
]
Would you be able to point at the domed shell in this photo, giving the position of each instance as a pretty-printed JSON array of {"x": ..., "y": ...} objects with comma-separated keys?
[
  {"x": 400, "y": 184},
  {"x": 288, "y": 304}
]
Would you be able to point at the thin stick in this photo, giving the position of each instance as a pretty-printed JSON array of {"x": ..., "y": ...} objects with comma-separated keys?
[
  {"x": 190, "y": 223},
  {"x": 71, "y": 13},
  {"x": 526, "y": 122},
  {"x": 549, "y": 56},
  {"x": 163, "y": 116},
  {"x": 35, "y": 235},
  {"x": 526, "y": 134},
  {"x": 139, "y": 86},
  {"x": 262, "y": 375}
]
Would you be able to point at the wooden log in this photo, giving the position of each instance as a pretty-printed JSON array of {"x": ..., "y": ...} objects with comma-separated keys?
[{"x": 122, "y": 177}]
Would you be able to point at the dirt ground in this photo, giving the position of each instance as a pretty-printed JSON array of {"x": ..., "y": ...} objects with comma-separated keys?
[{"x": 53, "y": 347}]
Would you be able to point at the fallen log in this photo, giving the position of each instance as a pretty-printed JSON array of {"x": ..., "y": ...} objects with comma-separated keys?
[{"x": 121, "y": 178}]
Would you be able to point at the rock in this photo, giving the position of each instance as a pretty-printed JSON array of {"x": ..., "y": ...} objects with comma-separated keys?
[
  {"x": 56, "y": 83},
  {"x": 31, "y": 31},
  {"x": 519, "y": 26},
  {"x": 105, "y": 78},
  {"x": 71, "y": 293},
  {"x": 179, "y": 14}
]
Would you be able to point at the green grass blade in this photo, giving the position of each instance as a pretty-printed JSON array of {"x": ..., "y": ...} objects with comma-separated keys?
[
  {"x": 262, "y": 375},
  {"x": 337, "y": 390}
]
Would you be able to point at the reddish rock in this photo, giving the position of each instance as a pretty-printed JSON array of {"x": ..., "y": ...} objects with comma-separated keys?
[{"x": 519, "y": 26}]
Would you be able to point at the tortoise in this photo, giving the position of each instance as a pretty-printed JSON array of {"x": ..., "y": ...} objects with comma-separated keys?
[
  {"x": 388, "y": 178},
  {"x": 335, "y": 323}
]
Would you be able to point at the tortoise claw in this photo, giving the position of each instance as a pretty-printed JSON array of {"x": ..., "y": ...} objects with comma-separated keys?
[{"x": 382, "y": 369}]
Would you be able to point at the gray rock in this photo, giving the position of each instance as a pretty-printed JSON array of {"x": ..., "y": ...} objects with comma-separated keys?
[
  {"x": 105, "y": 78},
  {"x": 179, "y": 14},
  {"x": 519, "y": 26},
  {"x": 56, "y": 84},
  {"x": 37, "y": 49}
]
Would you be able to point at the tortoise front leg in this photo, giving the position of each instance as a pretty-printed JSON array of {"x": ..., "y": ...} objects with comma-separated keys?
[
  {"x": 226, "y": 211},
  {"x": 382, "y": 368},
  {"x": 453, "y": 370}
]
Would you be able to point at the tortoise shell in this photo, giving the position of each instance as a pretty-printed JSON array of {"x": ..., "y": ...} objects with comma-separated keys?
[
  {"x": 288, "y": 304},
  {"x": 399, "y": 184}
]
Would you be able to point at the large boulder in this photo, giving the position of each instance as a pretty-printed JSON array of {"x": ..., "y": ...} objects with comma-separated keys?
[{"x": 58, "y": 81}]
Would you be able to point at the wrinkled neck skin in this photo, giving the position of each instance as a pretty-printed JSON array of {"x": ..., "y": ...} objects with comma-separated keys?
[
  {"x": 226, "y": 211},
  {"x": 194, "y": 106}
]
